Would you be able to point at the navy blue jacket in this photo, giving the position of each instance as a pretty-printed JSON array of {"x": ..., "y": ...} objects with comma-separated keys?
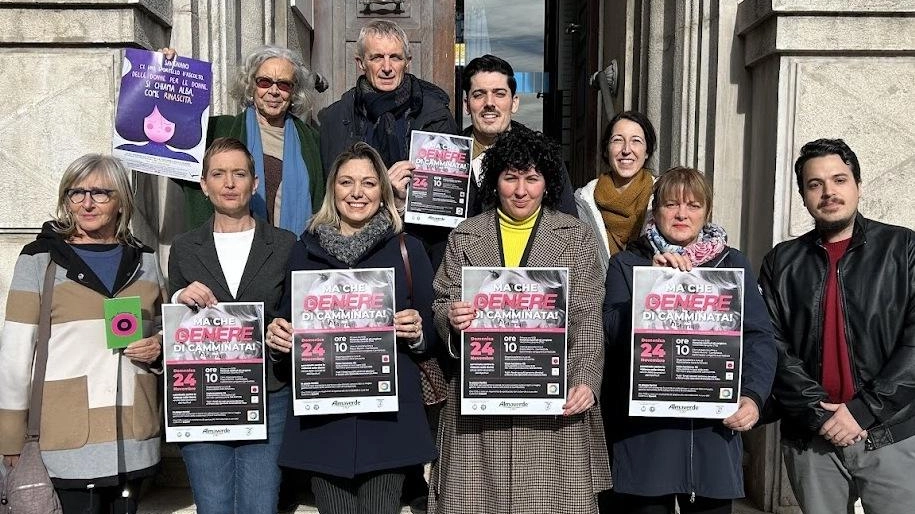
[
  {"x": 350, "y": 445},
  {"x": 659, "y": 456}
]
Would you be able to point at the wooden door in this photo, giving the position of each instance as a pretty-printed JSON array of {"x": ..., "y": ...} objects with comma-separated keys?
[{"x": 429, "y": 25}]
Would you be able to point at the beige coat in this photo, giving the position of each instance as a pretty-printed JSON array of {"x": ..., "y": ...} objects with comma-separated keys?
[{"x": 525, "y": 464}]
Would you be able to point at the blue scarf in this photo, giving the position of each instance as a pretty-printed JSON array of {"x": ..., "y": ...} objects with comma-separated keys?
[{"x": 295, "y": 206}]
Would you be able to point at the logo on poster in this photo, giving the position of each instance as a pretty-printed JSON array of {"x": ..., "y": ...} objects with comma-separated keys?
[{"x": 124, "y": 324}]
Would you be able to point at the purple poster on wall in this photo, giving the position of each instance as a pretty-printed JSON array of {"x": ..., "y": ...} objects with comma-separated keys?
[{"x": 162, "y": 112}]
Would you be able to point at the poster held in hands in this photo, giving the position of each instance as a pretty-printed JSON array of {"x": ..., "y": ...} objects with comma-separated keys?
[
  {"x": 514, "y": 354},
  {"x": 687, "y": 342},
  {"x": 163, "y": 108},
  {"x": 344, "y": 355},
  {"x": 214, "y": 372},
  {"x": 441, "y": 178}
]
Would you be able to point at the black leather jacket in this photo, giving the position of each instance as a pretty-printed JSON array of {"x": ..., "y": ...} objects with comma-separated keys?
[{"x": 876, "y": 283}]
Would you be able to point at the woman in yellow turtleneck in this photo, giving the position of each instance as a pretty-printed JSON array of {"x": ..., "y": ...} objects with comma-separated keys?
[
  {"x": 504, "y": 464},
  {"x": 615, "y": 204}
]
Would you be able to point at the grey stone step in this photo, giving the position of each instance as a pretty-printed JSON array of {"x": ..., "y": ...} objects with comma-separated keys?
[{"x": 179, "y": 500}]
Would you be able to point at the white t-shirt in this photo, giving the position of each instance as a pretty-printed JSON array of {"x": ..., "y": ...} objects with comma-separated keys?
[{"x": 233, "y": 249}]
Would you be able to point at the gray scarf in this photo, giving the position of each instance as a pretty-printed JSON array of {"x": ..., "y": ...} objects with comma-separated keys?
[{"x": 349, "y": 249}]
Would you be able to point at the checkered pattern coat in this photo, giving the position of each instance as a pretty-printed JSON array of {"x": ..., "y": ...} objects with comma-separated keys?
[{"x": 525, "y": 464}]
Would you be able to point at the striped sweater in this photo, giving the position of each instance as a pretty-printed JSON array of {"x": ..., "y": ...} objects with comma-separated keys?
[{"x": 100, "y": 410}]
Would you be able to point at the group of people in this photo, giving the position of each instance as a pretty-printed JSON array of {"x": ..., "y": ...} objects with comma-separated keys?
[{"x": 828, "y": 335}]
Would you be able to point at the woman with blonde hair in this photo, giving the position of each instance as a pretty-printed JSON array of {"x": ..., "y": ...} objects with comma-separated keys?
[
  {"x": 100, "y": 411},
  {"x": 357, "y": 460}
]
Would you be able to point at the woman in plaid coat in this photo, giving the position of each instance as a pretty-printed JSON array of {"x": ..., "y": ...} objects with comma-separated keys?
[{"x": 524, "y": 464}]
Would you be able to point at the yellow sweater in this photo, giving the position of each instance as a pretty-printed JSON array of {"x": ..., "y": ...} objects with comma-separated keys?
[{"x": 515, "y": 234}]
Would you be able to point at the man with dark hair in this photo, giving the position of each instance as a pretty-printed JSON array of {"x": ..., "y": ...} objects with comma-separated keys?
[
  {"x": 842, "y": 303},
  {"x": 490, "y": 98}
]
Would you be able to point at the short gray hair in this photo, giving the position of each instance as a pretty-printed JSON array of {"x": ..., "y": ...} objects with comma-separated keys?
[
  {"x": 383, "y": 28},
  {"x": 303, "y": 92},
  {"x": 114, "y": 173}
]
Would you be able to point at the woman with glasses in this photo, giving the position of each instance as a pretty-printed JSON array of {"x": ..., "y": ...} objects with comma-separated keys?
[
  {"x": 277, "y": 90},
  {"x": 100, "y": 414}
]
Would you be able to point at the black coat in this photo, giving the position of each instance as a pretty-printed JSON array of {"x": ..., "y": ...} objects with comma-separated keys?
[
  {"x": 339, "y": 132},
  {"x": 193, "y": 258},
  {"x": 338, "y": 126},
  {"x": 349, "y": 445},
  {"x": 659, "y": 456},
  {"x": 876, "y": 286}
]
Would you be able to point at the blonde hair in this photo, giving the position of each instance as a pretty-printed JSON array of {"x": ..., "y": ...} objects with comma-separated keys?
[
  {"x": 328, "y": 213},
  {"x": 111, "y": 171},
  {"x": 681, "y": 181}
]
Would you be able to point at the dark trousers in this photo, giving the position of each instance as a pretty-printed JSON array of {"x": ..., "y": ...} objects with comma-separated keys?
[
  {"x": 369, "y": 493},
  {"x": 100, "y": 500},
  {"x": 631, "y": 504}
]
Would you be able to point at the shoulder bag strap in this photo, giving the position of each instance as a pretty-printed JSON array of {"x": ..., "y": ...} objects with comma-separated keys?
[
  {"x": 41, "y": 352},
  {"x": 406, "y": 265}
]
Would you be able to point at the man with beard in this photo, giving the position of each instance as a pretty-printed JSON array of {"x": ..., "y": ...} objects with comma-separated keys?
[
  {"x": 842, "y": 303},
  {"x": 490, "y": 98}
]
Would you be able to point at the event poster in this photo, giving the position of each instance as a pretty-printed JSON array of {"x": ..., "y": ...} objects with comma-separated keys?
[
  {"x": 441, "y": 178},
  {"x": 514, "y": 354},
  {"x": 687, "y": 342},
  {"x": 214, "y": 372},
  {"x": 344, "y": 355},
  {"x": 163, "y": 107}
]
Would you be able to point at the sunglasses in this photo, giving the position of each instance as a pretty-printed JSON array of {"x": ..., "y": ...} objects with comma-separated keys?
[{"x": 267, "y": 83}]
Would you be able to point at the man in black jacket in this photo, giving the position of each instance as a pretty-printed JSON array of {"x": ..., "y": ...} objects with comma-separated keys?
[
  {"x": 385, "y": 106},
  {"x": 490, "y": 98},
  {"x": 842, "y": 303}
]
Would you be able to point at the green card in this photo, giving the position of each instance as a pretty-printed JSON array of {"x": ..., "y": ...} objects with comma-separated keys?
[{"x": 123, "y": 321}]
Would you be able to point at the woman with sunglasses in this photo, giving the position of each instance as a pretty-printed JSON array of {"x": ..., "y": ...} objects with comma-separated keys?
[
  {"x": 277, "y": 90},
  {"x": 100, "y": 413}
]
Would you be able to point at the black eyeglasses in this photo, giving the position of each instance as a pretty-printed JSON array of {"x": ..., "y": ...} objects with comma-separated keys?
[
  {"x": 78, "y": 195},
  {"x": 267, "y": 83}
]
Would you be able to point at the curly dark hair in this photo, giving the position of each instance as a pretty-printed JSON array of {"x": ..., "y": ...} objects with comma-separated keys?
[{"x": 521, "y": 149}]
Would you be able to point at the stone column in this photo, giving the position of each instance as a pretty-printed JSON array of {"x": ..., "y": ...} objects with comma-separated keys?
[{"x": 822, "y": 69}]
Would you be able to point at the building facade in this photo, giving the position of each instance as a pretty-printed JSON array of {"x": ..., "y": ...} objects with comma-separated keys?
[{"x": 734, "y": 88}]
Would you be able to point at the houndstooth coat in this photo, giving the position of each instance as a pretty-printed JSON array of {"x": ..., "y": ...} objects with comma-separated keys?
[{"x": 525, "y": 464}]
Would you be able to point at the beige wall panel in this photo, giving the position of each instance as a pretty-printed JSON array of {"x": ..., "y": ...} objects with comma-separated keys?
[
  {"x": 10, "y": 246},
  {"x": 65, "y": 111},
  {"x": 864, "y": 102}
]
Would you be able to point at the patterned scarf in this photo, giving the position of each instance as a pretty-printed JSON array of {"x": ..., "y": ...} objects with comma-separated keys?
[
  {"x": 623, "y": 211},
  {"x": 709, "y": 244},
  {"x": 349, "y": 249},
  {"x": 382, "y": 116}
]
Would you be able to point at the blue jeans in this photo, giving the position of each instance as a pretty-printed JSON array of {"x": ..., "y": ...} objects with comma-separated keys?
[{"x": 239, "y": 477}]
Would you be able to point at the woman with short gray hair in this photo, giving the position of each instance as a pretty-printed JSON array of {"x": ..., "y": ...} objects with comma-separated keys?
[{"x": 276, "y": 89}]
